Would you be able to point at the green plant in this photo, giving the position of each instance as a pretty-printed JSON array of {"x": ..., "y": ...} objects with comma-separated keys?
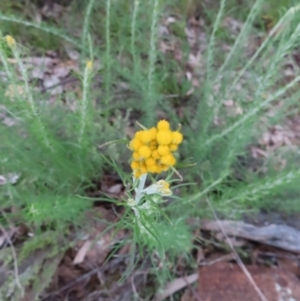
[{"x": 54, "y": 151}]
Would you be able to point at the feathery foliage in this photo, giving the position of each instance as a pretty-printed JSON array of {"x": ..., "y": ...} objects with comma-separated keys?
[{"x": 53, "y": 150}]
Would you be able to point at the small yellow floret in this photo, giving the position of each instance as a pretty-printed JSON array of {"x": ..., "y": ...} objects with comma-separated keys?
[
  {"x": 164, "y": 184},
  {"x": 177, "y": 137},
  {"x": 146, "y": 136},
  {"x": 153, "y": 132},
  {"x": 138, "y": 134},
  {"x": 155, "y": 155},
  {"x": 168, "y": 160},
  {"x": 164, "y": 137},
  {"x": 153, "y": 144},
  {"x": 135, "y": 156},
  {"x": 150, "y": 162},
  {"x": 173, "y": 147},
  {"x": 137, "y": 173},
  {"x": 11, "y": 42},
  {"x": 152, "y": 168},
  {"x": 143, "y": 168},
  {"x": 164, "y": 167},
  {"x": 144, "y": 151},
  {"x": 158, "y": 169},
  {"x": 135, "y": 165},
  {"x": 163, "y": 125},
  {"x": 164, "y": 187},
  {"x": 135, "y": 144},
  {"x": 163, "y": 150}
]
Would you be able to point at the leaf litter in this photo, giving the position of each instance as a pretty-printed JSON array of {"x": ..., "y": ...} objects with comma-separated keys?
[{"x": 86, "y": 272}]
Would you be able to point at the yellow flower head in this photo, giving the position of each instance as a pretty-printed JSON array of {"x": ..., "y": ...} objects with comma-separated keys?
[
  {"x": 158, "y": 168},
  {"x": 163, "y": 150},
  {"x": 155, "y": 154},
  {"x": 146, "y": 136},
  {"x": 164, "y": 187},
  {"x": 173, "y": 147},
  {"x": 152, "y": 149},
  {"x": 135, "y": 144},
  {"x": 137, "y": 173},
  {"x": 143, "y": 168},
  {"x": 161, "y": 187},
  {"x": 153, "y": 132},
  {"x": 152, "y": 168},
  {"x": 164, "y": 137},
  {"x": 163, "y": 125},
  {"x": 89, "y": 65},
  {"x": 135, "y": 156},
  {"x": 135, "y": 165},
  {"x": 177, "y": 137},
  {"x": 11, "y": 42},
  {"x": 150, "y": 162},
  {"x": 144, "y": 151},
  {"x": 164, "y": 167},
  {"x": 168, "y": 160},
  {"x": 138, "y": 134}
]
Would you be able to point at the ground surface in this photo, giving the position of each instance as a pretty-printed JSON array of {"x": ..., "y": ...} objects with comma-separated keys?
[{"x": 230, "y": 261}]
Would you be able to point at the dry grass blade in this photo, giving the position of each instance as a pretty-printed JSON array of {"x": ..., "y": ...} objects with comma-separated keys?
[{"x": 176, "y": 285}]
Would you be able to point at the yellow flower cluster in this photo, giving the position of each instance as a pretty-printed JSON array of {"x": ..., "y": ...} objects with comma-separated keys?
[{"x": 152, "y": 149}]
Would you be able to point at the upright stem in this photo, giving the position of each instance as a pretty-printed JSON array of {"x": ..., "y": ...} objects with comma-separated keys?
[
  {"x": 108, "y": 55},
  {"x": 133, "y": 28},
  {"x": 151, "y": 102},
  {"x": 85, "y": 102},
  {"x": 139, "y": 189}
]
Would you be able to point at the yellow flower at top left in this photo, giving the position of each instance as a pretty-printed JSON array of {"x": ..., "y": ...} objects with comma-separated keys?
[{"x": 11, "y": 42}]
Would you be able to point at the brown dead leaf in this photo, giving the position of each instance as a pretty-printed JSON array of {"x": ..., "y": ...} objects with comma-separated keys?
[
  {"x": 284, "y": 136},
  {"x": 234, "y": 26},
  {"x": 52, "y": 10},
  {"x": 50, "y": 81},
  {"x": 94, "y": 251},
  {"x": 82, "y": 252},
  {"x": 50, "y": 70},
  {"x": 290, "y": 264},
  {"x": 67, "y": 271},
  {"x": 14, "y": 91},
  {"x": 96, "y": 243},
  {"x": 115, "y": 189},
  {"x": 112, "y": 187},
  {"x": 227, "y": 282},
  {"x": 188, "y": 295},
  {"x": 257, "y": 152},
  {"x": 233, "y": 109}
]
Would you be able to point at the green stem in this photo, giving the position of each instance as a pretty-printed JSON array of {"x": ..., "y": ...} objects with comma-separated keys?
[{"x": 108, "y": 55}]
